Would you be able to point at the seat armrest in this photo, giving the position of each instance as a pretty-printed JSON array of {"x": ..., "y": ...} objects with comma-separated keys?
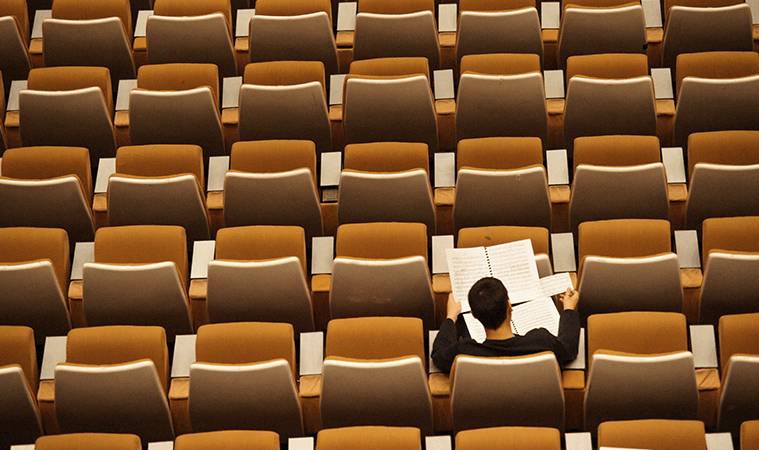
[
  {"x": 54, "y": 353},
  {"x": 311, "y": 353},
  {"x": 184, "y": 355},
  {"x": 562, "y": 245},
  {"x": 550, "y": 15}
]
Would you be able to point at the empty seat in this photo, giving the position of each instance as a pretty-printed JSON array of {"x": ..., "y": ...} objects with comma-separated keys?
[
  {"x": 739, "y": 360},
  {"x": 258, "y": 168},
  {"x": 231, "y": 439},
  {"x": 244, "y": 379},
  {"x": 20, "y": 421},
  {"x": 89, "y": 441},
  {"x": 139, "y": 277},
  {"x": 34, "y": 275},
  {"x": 260, "y": 274},
  {"x": 531, "y": 385},
  {"x": 608, "y": 65},
  {"x": 48, "y": 187},
  {"x": 115, "y": 380},
  {"x": 159, "y": 185},
  {"x": 14, "y": 39},
  {"x": 723, "y": 64},
  {"x": 369, "y": 438},
  {"x": 653, "y": 433},
  {"x": 509, "y": 438}
]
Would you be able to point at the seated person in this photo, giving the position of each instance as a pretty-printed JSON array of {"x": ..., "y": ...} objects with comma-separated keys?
[{"x": 490, "y": 304}]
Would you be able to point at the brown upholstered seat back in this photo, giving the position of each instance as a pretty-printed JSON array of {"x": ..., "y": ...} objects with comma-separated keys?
[
  {"x": 738, "y": 333},
  {"x": 608, "y": 65},
  {"x": 285, "y": 73},
  {"x": 643, "y": 332},
  {"x": 375, "y": 337},
  {"x": 499, "y": 153},
  {"x": 734, "y": 147},
  {"x": 395, "y": 7},
  {"x": 161, "y": 160},
  {"x": 387, "y": 157},
  {"x": 509, "y": 438},
  {"x": 18, "y": 347},
  {"x": 501, "y": 63},
  {"x": 653, "y": 433},
  {"x": 89, "y": 441},
  {"x": 382, "y": 240},
  {"x": 17, "y": 9},
  {"x": 30, "y": 244},
  {"x": 95, "y": 9},
  {"x": 616, "y": 150},
  {"x": 391, "y": 67},
  {"x": 71, "y": 78},
  {"x": 715, "y": 65},
  {"x": 293, "y": 7},
  {"x": 624, "y": 238},
  {"x": 494, "y": 5},
  {"x": 261, "y": 242},
  {"x": 200, "y": 8},
  {"x": 179, "y": 77},
  {"x": 369, "y": 438},
  {"x": 487, "y": 236},
  {"x": 732, "y": 234},
  {"x": 238, "y": 439},
  {"x": 273, "y": 156}
]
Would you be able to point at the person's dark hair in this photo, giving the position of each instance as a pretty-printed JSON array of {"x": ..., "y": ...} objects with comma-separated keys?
[{"x": 489, "y": 300}]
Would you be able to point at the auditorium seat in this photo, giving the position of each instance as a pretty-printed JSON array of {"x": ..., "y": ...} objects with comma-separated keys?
[
  {"x": 500, "y": 63},
  {"x": 389, "y": 109},
  {"x": 260, "y": 274},
  {"x": 501, "y": 181},
  {"x": 386, "y": 182},
  {"x": 258, "y": 168},
  {"x": 114, "y": 380},
  {"x": 14, "y": 41},
  {"x": 374, "y": 374},
  {"x": 730, "y": 260},
  {"x": 724, "y": 64},
  {"x": 177, "y": 104},
  {"x": 20, "y": 422},
  {"x": 34, "y": 276},
  {"x": 69, "y": 106},
  {"x": 530, "y": 385},
  {"x": 608, "y": 65},
  {"x": 48, "y": 187},
  {"x": 739, "y": 360},
  {"x": 285, "y": 100},
  {"x": 293, "y": 31},
  {"x": 653, "y": 433},
  {"x": 617, "y": 177},
  {"x": 159, "y": 185},
  {"x": 691, "y": 27},
  {"x": 139, "y": 277},
  {"x": 706, "y": 104},
  {"x": 90, "y": 33},
  {"x": 509, "y": 438},
  {"x": 587, "y": 30},
  {"x": 369, "y": 438},
  {"x": 244, "y": 379},
  {"x": 724, "y": 172},
  {"x": 89, "y": 441},
  {"x": 387, "y": 28},
  {"x": 596, "y": 107},
  {"x": 195, "y": 31},
  {"x": 381, "y": 269},
  {"x": 229, "y": 439}
]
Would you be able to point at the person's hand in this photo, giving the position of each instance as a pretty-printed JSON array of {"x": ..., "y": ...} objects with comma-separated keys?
[
  {"x": 454, "y": 308},
  {"x": 570, "y": 298}
]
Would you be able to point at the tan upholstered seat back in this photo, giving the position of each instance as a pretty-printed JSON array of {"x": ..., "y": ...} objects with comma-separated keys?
[
  {"x": 185, "y": 8},
  {"x": 501, "y": 63},
  {"x": 731, "y": 147},
  {"x": 638, "y": 332},
  {"x": 738, "y": 333},
  {"x": 608, "y": 65},
  {"x": 375, "y": 338},
  {"x": 732, "y": 234},
  {"x": 293, "y": 7},
  {"x": 494, "y": 5},
  {"x": 509, "y": 438},
  {"x": 142, "y": 244},
  {"x": 369, "y": 438},
  {"x": 71, "y": 78},
  {"x": 715, "y": 65},
  {"x": 394, "y": 7},
  {"x": 391, "y": 67},
  {"x": 243, "y": 439},
  {"x": 31, "y": 244},
  {"x": 161, "y": 160},
  {"x": 89, "y": 441},
  {"x": 18, "y": 347},
  {"x": 95, "y": 9},
  {"x": 499, "y": 153},
  {"x": 179, "y": 77},
  {"x": 387, "y": 157},
  {"x": 261, "y": 242},
  {"x": 119, "y": 344},
  {"x": 653, "y": 433},
  {"x": 616, "y": 150},
  {"x": 245, "y": 343},
  {"x": 487, "y": 236},
  {"x": 17, "y": 9},
  {"x": 285, "y": 73},
  {"x": 380, "y": 240},
  {"x": 273, "y": 156},
  {"x": 624, "y": 238}
]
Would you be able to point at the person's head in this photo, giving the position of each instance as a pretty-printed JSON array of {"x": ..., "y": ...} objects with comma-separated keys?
[{"x": 489, "y": 301}]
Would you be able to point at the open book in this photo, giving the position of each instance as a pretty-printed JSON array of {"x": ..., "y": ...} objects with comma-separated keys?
[
  {"x": 513, "y": 263},
  {"x": 540, "y": 313}
]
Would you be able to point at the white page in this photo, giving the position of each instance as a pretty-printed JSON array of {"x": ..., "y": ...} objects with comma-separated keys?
[
  {"x": 514, "y": 264},
  {"x": 466, "y": 266},
  {"x": 555, "y": 284},
  {"x": 475, "y": 327},
  {"x": 540, "y": 313}
]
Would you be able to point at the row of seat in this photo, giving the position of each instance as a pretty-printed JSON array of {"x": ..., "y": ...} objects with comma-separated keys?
[{"x": 244, "y": 376}]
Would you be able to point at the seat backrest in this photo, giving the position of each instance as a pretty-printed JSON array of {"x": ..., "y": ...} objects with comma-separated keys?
[
  {"x": 85, "y": 441},
  {"x": 161, "y": 160},
  {"x": 500, "y": 63},
  {"x": 515, "y": 197},
  {"x": 73, "y": 78},
  {"x": 18, "y": 345},
  {"x": 381, "y": 240},
  {"x": 737, "y": 335},
  {"x": 608, "y": 65},
  {"x": 642, "y": 332},
  {"x": 653, "y": 433},
  {"x": 393, "y": 7},
  {"x": 20, "y": 416},
  {"x": 728, "y": 285},
  {"x": 604, "y": 192},
  {"x": 593, "y": 30},
  {"x": 369, "y": 438},
  {"x": 731, "y": 147},
  {"x": 293, "y": 7},
  {"x": 375, "y": 337},
  {"x": 684, "y": 30},
  {"x": 93, "y": 9},
  {"x": 487, "y": 236},
  {"x": 481, "y": 32},
  {"x": 616, "y": 150},
  {"x": 386, "y": 197},
  {"x": 738, "y": 398},
  {"x": 389, "y": 110},
  {"x": 183, "y": 8},
  {"x": 531, "y": 384},
  {"x": 715, "y": 104},
  {"x": 649, "y": 283},
  {"x": 391, "y": 67},
  {"x": 272, "y": 156},
  {"x": 749, "y": 438},
  {"x": 248, "y": 439},
  {"x": 285, "y": 73},
  {"x": 509, "y": 438},
  {"x": 630, "y": 387},
  {"x": 390, "y": 392},
  {"x": 722, "y": 64},
  {"x": 593, "y": 108},
  {"x": 14, "y": 56},
  {"x": 18, "y": 10},
  {"x": 121, "y": 398},
  {"x": 245, "y": 343},
  {"x": 303, "y": 37},
  {"x": 256, "y": 243},
  {"x": 386, "y": 157},
  {"x": 668, "y": 4},
  {"x": 119, "y": 344},
  {"x": 285, "y": 112},
  {"x": 499, "y": 153},
  {"x": 489, "y": 105},
  {"x": 381, "y": 35},
  {"x": 730, "y": 234},
  {"x": 395, "y": 287},
  {"x": 721, "y": 191},
  {"x": 494, "y": 5},
  {"x": 179, "y": 77}
]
